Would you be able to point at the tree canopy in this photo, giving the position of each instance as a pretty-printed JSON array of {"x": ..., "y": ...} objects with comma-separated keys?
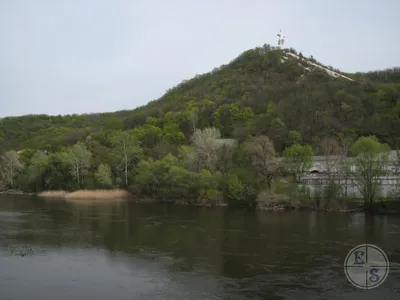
[{"x": 256, "y": 93}]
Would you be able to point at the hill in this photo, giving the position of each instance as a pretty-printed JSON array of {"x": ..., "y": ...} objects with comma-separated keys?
[
  {"x": 281, "y": 96},
  {"x": 213, "y": 138}
]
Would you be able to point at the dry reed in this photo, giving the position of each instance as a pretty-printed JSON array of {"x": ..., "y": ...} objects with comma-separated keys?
[
  {"x": 53, "y": 194},
  {"x": 87, "y": 194},
  {"x": 98, "y": 194}
]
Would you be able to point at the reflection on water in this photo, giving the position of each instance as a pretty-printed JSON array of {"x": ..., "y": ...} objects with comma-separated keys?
[{"x": 54, "y": 249}]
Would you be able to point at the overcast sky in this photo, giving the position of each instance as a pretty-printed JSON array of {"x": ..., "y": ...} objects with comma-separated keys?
[{"x": 82, "y": 56}]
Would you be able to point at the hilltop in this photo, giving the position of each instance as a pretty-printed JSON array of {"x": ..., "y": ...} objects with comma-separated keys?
[{"x": 259, "y": 92}]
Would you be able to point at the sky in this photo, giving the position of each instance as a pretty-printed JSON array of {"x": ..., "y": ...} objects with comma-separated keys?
[{"x": 88, "y": 56}]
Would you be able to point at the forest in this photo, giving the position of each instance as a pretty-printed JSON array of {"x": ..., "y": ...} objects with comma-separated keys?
[{"x": 220, "y": 137}]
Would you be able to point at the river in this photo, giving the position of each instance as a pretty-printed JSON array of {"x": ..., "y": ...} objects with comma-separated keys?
[{"x": 53, "y": 249}]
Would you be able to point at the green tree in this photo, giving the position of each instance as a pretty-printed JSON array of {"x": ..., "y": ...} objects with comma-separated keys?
[
  {"x": 39, "y": 164},
  {"x": 173, "y": 135},
  {"x": 188, "y": 157},
  {"x": 149, "y": 135},
  {"x": 151, "y": 177},
  {"x": 298, "y": 158},
  {"x": 369, "y": 162},
  {"x": 236, "y": 189},
  {"x": 294, "y": 137},
  {"x": 103, "y": 175}
]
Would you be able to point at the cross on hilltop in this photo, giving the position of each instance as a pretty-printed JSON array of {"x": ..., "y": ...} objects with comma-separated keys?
[{"x": 281, "y": 40}]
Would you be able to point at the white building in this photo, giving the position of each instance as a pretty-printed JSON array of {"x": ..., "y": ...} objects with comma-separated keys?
[{"x": 329, "y": 167}]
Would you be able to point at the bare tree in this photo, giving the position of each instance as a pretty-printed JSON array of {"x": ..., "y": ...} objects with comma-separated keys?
[
  {"x": 345, "y": 141},
  {"x": 207, "y": 143},
  {"x": 193, "y": 118},
  {"x": 225, "y": 158},
  {"x": 396, "y": 169},
  {"x": 264, "y": 160},
  {"x": 331, "y": 150},
  {"x": 333, "y": 157},
  {"x": 396, "y": 163},
  {"x": 79, "y": 159},
  {"x": 9, "y": 167},
  {"x": 126, "y": 150}
]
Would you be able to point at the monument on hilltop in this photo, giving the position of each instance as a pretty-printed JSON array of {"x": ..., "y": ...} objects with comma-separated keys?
[{"x": 281, "y": 39}]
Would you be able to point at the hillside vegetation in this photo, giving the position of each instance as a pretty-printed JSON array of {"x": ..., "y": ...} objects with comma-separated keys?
[{"x": 256, "y": 95}]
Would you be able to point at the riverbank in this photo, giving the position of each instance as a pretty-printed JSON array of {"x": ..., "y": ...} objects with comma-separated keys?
[
  {"x": 267, "y": 202},
  {"x": 309, "y": 207},
  {"x": 16, "y": 192},
  {"x": 281, "y": 203}
]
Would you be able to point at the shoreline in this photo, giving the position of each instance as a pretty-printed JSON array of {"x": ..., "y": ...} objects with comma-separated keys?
[
  {"x": 118, "y": 194},
  {"x": 16, "y": 192}
]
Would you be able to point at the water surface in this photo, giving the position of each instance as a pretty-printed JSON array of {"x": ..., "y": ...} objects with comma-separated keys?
[{"x": 58, "y": 250}]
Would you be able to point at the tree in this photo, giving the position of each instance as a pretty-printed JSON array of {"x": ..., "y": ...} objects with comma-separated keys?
[
  {"x": 193, "y": 118},
  {"x": 79, "y": 160},
  {"x": 187, "y": 156},
  {"x": 173, "y": 135},
  {"x": 263, "y": 156},
  {"x": 298, "y": 158},
  {"x": 394, "y": 162},
  {"x": 370, "y": 161},
  {"x": 294, "y": 137},
  {"x": 149, "y": 135},
  {"x": 226, "y": 158},
  {"x": 236, "y": 190},
  {"x": 39, "y": 163},
  {"x": 152, "y": 176},
  {"x": 10, "y": 166},
  {"x": 333, "y": 152},
  {"x": 207, "y": 142},
  {"x": 276, "y": 131},
  {"x": 103, "y": 175},
  {"x": 396, "y": 165},
  {"x": 126, "y": 148},
  {"x": 346, "y": 139}
]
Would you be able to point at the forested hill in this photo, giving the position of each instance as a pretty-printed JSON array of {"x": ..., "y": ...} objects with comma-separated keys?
[{"x": 256, "y": 93}]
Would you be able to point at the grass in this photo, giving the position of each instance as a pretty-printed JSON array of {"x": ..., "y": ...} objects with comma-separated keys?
[{"x": 87, "y": 194}]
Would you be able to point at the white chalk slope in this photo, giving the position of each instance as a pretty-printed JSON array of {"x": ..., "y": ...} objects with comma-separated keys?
[{"x": 311, "y": 64}]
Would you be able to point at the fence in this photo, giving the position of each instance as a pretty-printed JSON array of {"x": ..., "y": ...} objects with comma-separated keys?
[{"x": 389, "y": 185}]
